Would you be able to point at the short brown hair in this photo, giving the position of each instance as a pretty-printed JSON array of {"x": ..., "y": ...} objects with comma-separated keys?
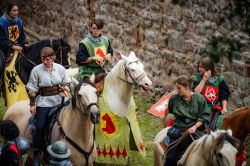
[
  {"x": 208, "y": 64},
  {"x": 10, "y": 5},
  {"x": 47, "y": 52},
  {"x": 98, "y": 22},
  {"x": 185, "y": 81}
]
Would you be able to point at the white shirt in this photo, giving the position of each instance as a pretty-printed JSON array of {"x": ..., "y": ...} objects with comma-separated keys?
[{"x": 41, "y": 77}]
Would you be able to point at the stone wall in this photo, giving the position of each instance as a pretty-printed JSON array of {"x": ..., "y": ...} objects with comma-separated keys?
[{"x": 168, "y": 38}]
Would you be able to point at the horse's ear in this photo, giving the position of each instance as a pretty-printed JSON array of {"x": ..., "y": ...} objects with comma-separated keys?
[
  {"x": 132, "y": 54},
  {"x": 92, "y": 78},
  {"x": 64, "y": 38},
  {"x": 124, "y": 57},
  {"x": 74, "y": 80},
  {"x": 229, "y": 131}
]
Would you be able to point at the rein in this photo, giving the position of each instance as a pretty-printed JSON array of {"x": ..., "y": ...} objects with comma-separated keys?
[
  {"x": 59, "y": 50},
  {"x": 22, "y": 55},
  {"x": 178, "y": 141},
  {"x": 75, "y": 145}
]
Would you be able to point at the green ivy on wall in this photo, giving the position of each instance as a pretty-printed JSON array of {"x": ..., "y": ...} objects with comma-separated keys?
[{"x": 223, "y": 47}]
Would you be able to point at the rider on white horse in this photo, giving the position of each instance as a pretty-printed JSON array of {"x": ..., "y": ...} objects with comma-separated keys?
[
  {"x": 192, "y": 114},
  {"x": 94, "y": 51}
]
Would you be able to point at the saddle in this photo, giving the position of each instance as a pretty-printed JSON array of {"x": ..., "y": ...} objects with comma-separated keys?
[
  {"x": 52, "y": 118},
  {"x": 215, "y": 114}
]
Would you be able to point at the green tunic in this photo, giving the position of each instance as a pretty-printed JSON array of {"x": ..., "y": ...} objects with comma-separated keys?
[
  {"x": 187, "y": 114},
  {"x": 215, "y": 90},
  {"x": 94, "y": 49}
]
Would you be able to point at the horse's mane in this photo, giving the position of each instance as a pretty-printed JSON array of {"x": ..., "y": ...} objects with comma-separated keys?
[
  {"x": 77, "y": 88},
  {"x": 222, "y": 138}
]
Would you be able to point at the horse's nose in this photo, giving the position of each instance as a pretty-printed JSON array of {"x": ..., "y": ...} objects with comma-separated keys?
[
  {"x": 148, "y": 85},
  {"x": 95, "y": 117}
]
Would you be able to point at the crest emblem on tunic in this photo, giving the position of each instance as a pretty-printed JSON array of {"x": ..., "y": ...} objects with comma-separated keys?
[
  {"x": 210, "y": 94},
  {"x": 101, "y": 52},
  {"x": 13, "y": 33}
]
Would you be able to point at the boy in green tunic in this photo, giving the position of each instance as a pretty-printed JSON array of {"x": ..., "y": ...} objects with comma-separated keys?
[{"x": 94, "y": 51}]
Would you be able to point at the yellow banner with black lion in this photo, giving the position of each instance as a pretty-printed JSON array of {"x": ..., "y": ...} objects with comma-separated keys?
[{"x": 14, "y": 88}]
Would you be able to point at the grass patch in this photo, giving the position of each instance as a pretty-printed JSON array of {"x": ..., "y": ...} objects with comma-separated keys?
[
  {"x": 150, "y": 126},
  {"x": 2, "y": 108}
]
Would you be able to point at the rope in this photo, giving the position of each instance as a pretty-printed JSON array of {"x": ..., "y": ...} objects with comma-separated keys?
[{"x": 178, "y": 141}]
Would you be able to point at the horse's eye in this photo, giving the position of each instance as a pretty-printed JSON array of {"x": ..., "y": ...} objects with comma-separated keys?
[{"x": 133, "y": 70}]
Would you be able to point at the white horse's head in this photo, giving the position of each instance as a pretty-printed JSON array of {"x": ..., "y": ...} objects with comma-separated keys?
[
  {"x": 217, "y": 148},
  {"x": 225, "y": 147},
  {"x": 85, "y": 98},
  {"x": 134, "y": 72}
]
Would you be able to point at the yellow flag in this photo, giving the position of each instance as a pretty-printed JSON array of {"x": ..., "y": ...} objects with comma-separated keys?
[{"x": 14, "y": 87}]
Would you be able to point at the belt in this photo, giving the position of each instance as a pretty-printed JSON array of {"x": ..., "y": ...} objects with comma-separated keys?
[{"x": 49, "y": 91}]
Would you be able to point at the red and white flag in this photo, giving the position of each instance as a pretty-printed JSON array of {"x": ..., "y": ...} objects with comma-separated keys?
[{"x": 161, "y": 106}]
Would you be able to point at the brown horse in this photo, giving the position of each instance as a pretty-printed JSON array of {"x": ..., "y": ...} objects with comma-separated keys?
[
  {"x": 239, "y": 122},
  {"x": 75, "y": 124}
]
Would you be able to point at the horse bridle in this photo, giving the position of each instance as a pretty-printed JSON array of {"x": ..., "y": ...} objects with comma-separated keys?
[
  {"x": 75, "y": 145},
  {"x": 59, "y": 50},
  {"x": 135, "y": 80},
  {"x": 85, "y": 107}
]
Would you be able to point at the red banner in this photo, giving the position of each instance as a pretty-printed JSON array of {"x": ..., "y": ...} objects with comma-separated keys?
[{"x": 160, "y": 107}]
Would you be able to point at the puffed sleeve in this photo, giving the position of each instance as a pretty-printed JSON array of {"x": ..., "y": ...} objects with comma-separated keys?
[
  {"x": 224, "y": 92},
  {"x": 33, "y": 83},
  {"x": 204, "y": 111},
  {"x": 82, "y": 54}
]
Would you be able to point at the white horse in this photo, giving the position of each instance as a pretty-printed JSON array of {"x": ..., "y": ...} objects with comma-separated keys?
[
  {"x": 217, "y": 149},
  {"x": 117, "y": 108},
  {"x": 75, "y": 125}
]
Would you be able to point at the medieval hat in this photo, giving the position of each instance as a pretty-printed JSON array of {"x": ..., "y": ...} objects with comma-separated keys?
[{"x": 59, "y": 150}]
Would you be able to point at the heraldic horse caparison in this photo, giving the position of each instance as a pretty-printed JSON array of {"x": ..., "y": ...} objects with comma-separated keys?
[
  {"x": 75, "y": 123},
  {"x": 118, "y": 128}
]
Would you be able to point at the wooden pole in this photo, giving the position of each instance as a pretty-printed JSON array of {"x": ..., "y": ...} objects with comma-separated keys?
[{"x": 33, "y": 34}]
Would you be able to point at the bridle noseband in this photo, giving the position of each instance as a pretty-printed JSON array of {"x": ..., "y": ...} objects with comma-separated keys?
[
  {"x": 127, "y": 72},
  {"x": 85, "y": 107}
]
